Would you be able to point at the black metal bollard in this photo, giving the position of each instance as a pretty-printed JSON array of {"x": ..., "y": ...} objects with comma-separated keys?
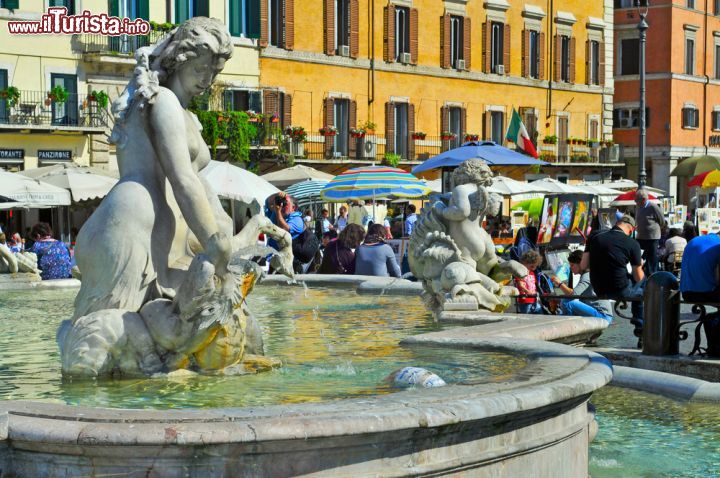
[{"x": 662, "y": 315}]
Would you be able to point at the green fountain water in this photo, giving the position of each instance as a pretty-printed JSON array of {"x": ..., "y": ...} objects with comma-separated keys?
[{"x": 333, "y": 344}]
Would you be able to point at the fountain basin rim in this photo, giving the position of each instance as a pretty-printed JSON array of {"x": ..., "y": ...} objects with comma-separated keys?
[{"x": 556, "y": 373}]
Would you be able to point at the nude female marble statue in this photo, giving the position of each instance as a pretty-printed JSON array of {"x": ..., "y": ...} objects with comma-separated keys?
[
  {"x": 137, "y": 244},
  {"x": 164, "y": 281}
]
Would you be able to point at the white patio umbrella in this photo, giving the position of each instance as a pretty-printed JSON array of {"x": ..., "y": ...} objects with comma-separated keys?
[
  {"x": 232, "y": 182},
  {"x": 605, "y": 194},
  {"x": 295, "y": 174},
  {"x": 31, "y": 192},
  {"x": 628, "y": 184},
  {"x": 83, "y": 182},
  {"x": 237, "y": 184},
  {"x": 511, "y": 187},
  {"x": 554, "y": 186}
]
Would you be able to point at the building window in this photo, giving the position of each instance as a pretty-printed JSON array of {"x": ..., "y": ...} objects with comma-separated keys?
[
  {"x": 185, "y": 9},
  {"x": 456, "y": 40},
  {"x": 245, "y": 18},
  {"x": 534, "y": 53},
  {"x": 65, "y": 113},
  {"x": 690, "y": 117},
  {"x": 629, "y": 3},
  {"x": 624, "y": 118},
  {"x": 716, "y": 120},
  {"x": 496, "y": 46},
  {"x": 276, "y": 23},
  {"x": 630, "y": 56},
  {"x": 341, "y": 116},
  {"x": 401, "y": 130},
  {"x": 455, "y": 121},
  {"x": 242, "y": 100},
  {"x": 69, "y": 4},
  {"x": 4, "y": 106},
  {"x": 691, "y": 4},
  {"x": 717, "y": 61},
  {"x": 342, "y": 26},
  {"x": 497, "y": 128},
  {"x": 402, "y": 34},
  {"x": 530, "y": 119},
  {"x": 689, "y": 56},
  {"x": 594, "y": 63},
  {"x": 717, "y": 7},
  {"x": 565, "y": 58}
]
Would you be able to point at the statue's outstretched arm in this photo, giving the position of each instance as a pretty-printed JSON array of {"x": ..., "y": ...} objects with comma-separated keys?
[
  {"x": 459, "y": 208},
  {"x": 262, "y": 225},
  {"x": 168, "y": 137}
]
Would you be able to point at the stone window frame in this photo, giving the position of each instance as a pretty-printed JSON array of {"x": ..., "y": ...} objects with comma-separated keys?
[
  {"x": 715, "y": 118},
  {"x": 456, "y": 7},
  {"x": 620, "y": 35},
  {"x": 590, "y": 119},
  {"x": 533, "y": 17},
  {"x": 716, "y": 54},
  {"x": 595, "y": 29},
  {"x": 690, "y": 106},
  {"x": 690, "y": 33}
]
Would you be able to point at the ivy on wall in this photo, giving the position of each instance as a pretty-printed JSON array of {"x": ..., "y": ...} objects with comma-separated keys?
[{"x": 230, "y": 128}]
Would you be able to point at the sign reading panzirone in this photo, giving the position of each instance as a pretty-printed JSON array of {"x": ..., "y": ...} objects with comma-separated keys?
[{"x": 55, "y": 155}]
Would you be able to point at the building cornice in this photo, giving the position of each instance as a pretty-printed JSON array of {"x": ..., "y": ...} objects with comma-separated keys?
[
  {"x": 422, "y": 70},
  {"x": 669, "y": 76}
]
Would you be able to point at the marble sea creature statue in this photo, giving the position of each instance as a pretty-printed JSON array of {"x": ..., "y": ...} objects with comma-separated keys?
[
  {"x": 416, "y": 377},
  {"x": 165, "y": 335},
  {"x": 134, "y": 251},
  {"x": 453, "y": 255}
]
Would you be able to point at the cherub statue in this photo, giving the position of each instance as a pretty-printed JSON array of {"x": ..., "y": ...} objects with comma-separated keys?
[{"x": 451, "y": 252}]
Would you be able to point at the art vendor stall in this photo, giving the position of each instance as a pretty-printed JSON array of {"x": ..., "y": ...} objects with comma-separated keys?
[{"x": 564, "y": 225}]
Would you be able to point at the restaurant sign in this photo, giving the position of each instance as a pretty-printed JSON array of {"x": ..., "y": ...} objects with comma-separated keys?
[
  {"x": 12, "y": 153},
  {"x": 54, "y": 155}
]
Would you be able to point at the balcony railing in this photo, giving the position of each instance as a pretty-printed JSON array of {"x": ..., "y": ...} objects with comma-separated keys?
[
  {"x": 119, "y": 45},
  {"x": 35, "y": 109},
  {"x": 571, "y": 154},
  {"x": 372, "y": 148}
]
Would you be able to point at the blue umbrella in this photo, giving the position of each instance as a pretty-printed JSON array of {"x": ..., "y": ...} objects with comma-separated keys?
[{"x": 492, "y": 153}]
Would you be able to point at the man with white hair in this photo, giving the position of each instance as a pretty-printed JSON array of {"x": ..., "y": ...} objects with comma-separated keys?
[{"x": 650, "y": 221}]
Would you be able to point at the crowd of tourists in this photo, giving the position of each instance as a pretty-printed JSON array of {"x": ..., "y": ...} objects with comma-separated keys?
[{"x": 52, "y": 257}]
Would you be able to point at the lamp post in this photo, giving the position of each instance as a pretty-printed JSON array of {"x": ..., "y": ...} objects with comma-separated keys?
[{"x": 642, "y": 8}]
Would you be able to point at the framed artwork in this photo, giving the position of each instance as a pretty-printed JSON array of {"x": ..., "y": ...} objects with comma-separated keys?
[
  {"x": 557, "y": 261},
  {"x": 580, "y": 222},
  {"x": 548, "y": 219},
  {"x": 565, "y": 218}
]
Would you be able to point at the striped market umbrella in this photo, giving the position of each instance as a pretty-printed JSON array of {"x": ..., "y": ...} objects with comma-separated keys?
[
  {"x": 306, "y": 192},
  {"x": 709, "y": 179},
  {"x": 374, "y": 182}
]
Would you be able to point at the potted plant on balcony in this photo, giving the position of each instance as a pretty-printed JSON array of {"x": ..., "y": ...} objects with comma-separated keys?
[
  {"x": 471, "y": 137},
  {"x": 582, "y": 142},
  {"x": 391, "y": 159},
  {"x": 254, "y": 117},
  {"x": 447, "y": 136},
  {"x": 357, "y": 133},
  {"x": 550, "y": 139},
  {"x": 100, "y": 97},
  {"x": 368, "y": 126},
  {"x": 593, "y": 142},
  {"x": 11, "y": 94},
  {"x": 58, "y": 94},
  {"x": 609, "y": 143},
  {"x": 297, "y": 137},
  {"x": 328, "y": 131},
  {"x": 418, "y": 135}
]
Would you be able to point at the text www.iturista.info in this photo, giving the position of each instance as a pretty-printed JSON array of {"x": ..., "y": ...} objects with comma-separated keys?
[{"x": 57, "y": 21}]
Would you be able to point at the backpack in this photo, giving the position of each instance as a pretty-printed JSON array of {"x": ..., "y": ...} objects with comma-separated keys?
[{"x": 305, "y": 246}]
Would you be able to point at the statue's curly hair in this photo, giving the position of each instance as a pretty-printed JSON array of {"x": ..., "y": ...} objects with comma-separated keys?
[
  {"x": 187, "y": 42},
  {"x": 156, "y": 63},
  {"x": 475, "y": 171}
]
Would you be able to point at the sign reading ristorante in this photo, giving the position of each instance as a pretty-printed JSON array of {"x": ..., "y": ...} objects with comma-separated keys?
[
  {"x": 56, "y": 154},
  {"x": 12, "y": 153}
]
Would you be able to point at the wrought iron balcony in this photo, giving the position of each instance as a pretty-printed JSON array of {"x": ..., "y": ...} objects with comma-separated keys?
[
  {"x": 119, "y": 46},
  {"x": 36, "y": 110}
]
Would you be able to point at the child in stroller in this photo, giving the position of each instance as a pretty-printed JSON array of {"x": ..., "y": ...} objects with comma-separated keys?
[{"x": 535, "y": 287}]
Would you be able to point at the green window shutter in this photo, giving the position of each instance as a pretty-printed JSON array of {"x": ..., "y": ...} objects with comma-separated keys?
[
  {"x": 202, "y": 9},
  {"x": 252, "y": 21},
  {"x": 114, "y": 9},
  {"x": 181, "y": 11},
  {"x": 11, "y": 4},
  {"x": 236, "y": 20},
  {"x": 143, "y": 9}
]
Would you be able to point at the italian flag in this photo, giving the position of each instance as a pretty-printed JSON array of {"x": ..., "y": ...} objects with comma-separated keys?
[{"x": 518, "y": 134}]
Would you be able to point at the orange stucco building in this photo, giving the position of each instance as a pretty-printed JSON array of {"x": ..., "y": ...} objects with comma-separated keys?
[
  {"x": 682, "y": 84},
  {"x": 428, "y": 74}
]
